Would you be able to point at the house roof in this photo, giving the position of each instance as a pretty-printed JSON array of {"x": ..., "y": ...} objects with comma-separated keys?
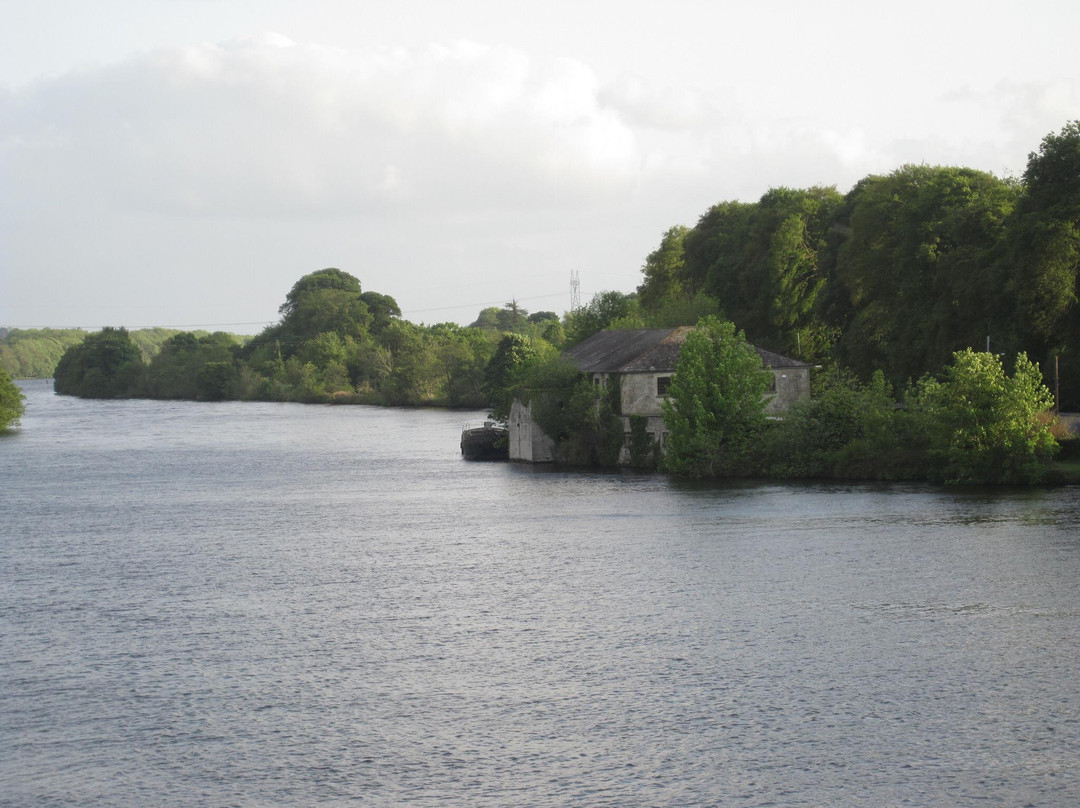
[{"x": 648, "y": 350}]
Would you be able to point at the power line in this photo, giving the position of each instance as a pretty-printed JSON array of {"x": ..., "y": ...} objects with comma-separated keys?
[
  {"x": 129, "y": 327},
  {"x": 484, "y": 303}
]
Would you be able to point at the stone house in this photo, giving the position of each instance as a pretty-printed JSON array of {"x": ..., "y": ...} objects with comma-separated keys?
[{"x": 641, "y": 361}]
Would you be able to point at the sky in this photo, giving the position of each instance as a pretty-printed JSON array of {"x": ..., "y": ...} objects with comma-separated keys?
[{"x": 182, "y": 163}]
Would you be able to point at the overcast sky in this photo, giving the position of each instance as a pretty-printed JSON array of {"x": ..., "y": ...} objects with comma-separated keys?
[{"x": 184, "y": 162}]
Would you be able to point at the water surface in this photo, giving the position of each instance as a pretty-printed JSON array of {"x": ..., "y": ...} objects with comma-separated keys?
[{"x": 271, "y": 604}]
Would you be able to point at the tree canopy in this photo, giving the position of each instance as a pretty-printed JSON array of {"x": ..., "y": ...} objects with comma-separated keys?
[
  {"x": 986, "y": 426},
  {"x": 11, "y": 402},
  {"x": 895, "y": 275},
  {"x": 921, "y": 268},
  {"x": 715, "y": 402},
  {"x": 107, "y": 364}
]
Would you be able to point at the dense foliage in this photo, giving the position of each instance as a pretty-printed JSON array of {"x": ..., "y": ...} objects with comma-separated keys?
[
  {"x": 33, "y": 353},
  {"x": 984, "y": 425},
  {"x": 11, "y": 401},
  {"x": 975, "y": 424},
  {"x": 716, "y": 402},
  {"x": 899, "y": 273},
  {"x": 333, "y": 343},
  {"x": 107, "y": 364}
]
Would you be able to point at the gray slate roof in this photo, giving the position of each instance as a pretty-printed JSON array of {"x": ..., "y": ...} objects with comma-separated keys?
[{"x": 648, "y": 350}]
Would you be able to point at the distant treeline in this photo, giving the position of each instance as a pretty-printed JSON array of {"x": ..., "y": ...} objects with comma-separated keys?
[
  {"x": 334, "y": 343},
  {"x": 32, "y": 353}
]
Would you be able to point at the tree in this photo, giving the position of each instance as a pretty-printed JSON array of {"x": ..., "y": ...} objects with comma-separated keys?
[
  {"x": 108, "y": 364},
  {"x": 922, "y": 268},
  {"x": 507, "y": 367},
  {"x": 330, "y": 278},
  {"x": 11, "y": 402},
  {"x": 328, "y": 300},
  {"x": 1045, "y": 254},
  {"x": 488, "y": 319},
  {"x": 760, "y": 262},
  {"x": 716, "y": 402},
  {"x": 510, "y": 317},
  {"x": 462, "y": 355},
  {"x": 605, "y": 310},
  {"x": 845, "y": 430},
  {"x": 664, "y": 270},
  {"x": 412, "y": 377},
  {"x": 986, "y": 426},
  {"x": 174, "y": 370},
  {"x": 713, "y": 247},
  {"x": 33, "y": 353},
  {"x": 383, "y": 309}
]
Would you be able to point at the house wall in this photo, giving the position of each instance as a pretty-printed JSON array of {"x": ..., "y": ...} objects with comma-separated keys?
[
  {"x": 638, "y": 394},
  {"x": 528, "y": 442},
  {"x": 792, "y": 384}
]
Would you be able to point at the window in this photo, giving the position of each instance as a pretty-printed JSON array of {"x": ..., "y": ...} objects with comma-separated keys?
[
  {"x": 772, "y": 384},
  {"x": 662, "y": 384}
]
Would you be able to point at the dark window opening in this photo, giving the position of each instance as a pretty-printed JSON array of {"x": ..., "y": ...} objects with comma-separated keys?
[{"x": 662, "y": 384}]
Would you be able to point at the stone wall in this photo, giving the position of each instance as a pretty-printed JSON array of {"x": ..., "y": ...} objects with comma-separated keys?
[
  {"x": 792, "y": 384},
  {"x": 638, "y": 394},
  {"x": 528, "y": 442}
]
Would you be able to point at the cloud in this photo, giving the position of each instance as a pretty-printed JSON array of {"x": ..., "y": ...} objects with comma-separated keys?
[
  {"x": 266, "y": 127},
  {"x": 641, "y": 103},
  {"x": 225, "y": 171}
]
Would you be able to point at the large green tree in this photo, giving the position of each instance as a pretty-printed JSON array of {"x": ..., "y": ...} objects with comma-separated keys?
[
  {"x": 606, "y": 310},
  {"x": 108, "y": 364},
  {"x": 508, "y": 365},
  {"x": 323, "y": 301},
  {"x": 329, "y": 279},
  {"x": 664, "y": 271},
  {"x": 760, "y": 262},
  {"x": 921, "y": 266},
  {"x": 1045, "y": 255},
  {"x": 11, "y": 401},
  {"x": 716, "y": 402}
]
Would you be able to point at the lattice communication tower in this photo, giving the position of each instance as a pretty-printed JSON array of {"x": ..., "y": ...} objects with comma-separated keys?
[{"x": 575, "y": 291}]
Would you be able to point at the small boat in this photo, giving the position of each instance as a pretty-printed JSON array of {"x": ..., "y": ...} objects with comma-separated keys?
[{"x": 487, "y": 442}]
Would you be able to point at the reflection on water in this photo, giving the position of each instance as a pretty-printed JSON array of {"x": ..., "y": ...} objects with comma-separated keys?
[{"x": 261, "y": 604}]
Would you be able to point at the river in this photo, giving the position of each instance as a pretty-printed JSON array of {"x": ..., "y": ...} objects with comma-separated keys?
[{"x": 256, "y": 604}]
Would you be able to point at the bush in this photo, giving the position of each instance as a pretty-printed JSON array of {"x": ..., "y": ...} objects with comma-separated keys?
[{"x": 984, "y": 425}]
